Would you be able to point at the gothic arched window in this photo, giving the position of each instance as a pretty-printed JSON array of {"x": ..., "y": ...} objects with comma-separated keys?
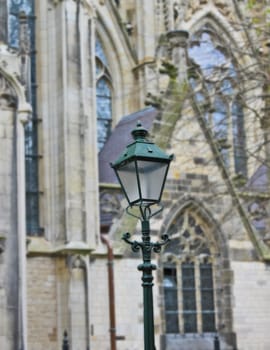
[
  {"x": 189, "y": 301},
  {"x": 15, "y": 7},
  {"x": 217, "y": 86},
  {"x": 103, "y": 96}
]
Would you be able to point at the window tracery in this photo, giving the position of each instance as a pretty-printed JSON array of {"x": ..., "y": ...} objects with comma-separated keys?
[
  {"x": 7, "y": 95},
  {"x": 188, "y": 277},
  {"x": 103, "y": 95},
  {"x": 14, "y": 8},
  {"x": 217, "y": 85}
]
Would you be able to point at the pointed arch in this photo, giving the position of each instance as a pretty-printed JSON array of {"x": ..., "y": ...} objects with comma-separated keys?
[
  {"x": 104, "y": 94},
  {"x": 221, "y": 85},
  {"x": 120, "y": 59},
  {"x": 191, "y": 203},
  {"x": 209, "y": 14},
  {"x": 194, "y": 279},
  {"x": 15, "y": 88}
]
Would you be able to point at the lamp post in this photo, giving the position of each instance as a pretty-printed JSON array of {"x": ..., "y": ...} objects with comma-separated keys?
[{"x": 141, "y": 171}]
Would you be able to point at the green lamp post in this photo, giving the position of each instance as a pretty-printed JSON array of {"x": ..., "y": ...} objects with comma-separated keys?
[{"x": 141, "y": 171}]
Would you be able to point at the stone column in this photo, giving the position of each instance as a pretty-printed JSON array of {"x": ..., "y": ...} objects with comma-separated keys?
[
  {"x": 146, "y": 45},
  {"x": 178, "y": 41},
  {"x": 22, "y": 116},
  {"x": 9, "y": 272},
  {"x": 78, "y": 304},
  {"x": 69, "y": 122},
  {"x": 66, "y": 107}
]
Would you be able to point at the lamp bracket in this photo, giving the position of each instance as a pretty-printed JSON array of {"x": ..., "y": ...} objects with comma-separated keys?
[
  {"x": 136, "y": 246},
  {"x": 145, "y": 211}
]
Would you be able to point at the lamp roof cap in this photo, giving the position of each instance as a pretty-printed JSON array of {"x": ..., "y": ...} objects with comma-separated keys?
[{"x": 139, "y": 132}]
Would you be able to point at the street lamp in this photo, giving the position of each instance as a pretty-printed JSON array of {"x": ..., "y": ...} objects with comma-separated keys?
[{"x": 141, "y": 171}]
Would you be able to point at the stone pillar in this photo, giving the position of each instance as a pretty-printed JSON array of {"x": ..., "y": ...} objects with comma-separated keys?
[
  {"x": 22, "y": 116},
  {"x": 69, "y": 122},
  {"x": 78, "y": 304},
  {"x": 9, "y": 273},
  {"x": 146, "y": 45},
  {"x": 178, "y": 41},
  {"x": 70, "y": 180}
]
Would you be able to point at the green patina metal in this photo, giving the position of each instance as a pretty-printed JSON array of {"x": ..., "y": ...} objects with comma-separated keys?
[
  {"x": 136, "y": 166},
  {"x": 141, "y": 148},
  {"x": 146, "y": 246}
]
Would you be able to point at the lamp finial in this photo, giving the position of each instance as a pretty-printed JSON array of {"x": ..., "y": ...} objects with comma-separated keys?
[{"x": 140, "y": 132}]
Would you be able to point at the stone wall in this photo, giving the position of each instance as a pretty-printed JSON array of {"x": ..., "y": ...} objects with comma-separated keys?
[
  {"x": 128, "y": 304},
  {"x": 251, "y": 290},
  {"x": 42, "y": 304},
  {"x": 9, "y": 290}
]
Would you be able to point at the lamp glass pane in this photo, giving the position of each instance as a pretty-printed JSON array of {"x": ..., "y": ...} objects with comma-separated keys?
[
  {"x": 151, "y": 177},
  {"x": 128, "y": 177}
]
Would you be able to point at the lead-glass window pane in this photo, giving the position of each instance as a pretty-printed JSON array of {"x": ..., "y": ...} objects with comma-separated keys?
[
  {"x": 219, "y": 83},
  {"x": 103, "y": 96},
  {"x": 171, "y": 300},
  {"x": 31, "y": 134},
  {"x": 100, "y": 52},
  {"x": 207, "y": 297},
  {"x": 14, "y": 8},
  {"x": 189, "y": 298},
  {"x": 104, "y": 111}
]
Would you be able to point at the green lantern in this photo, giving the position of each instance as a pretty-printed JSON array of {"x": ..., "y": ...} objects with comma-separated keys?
[{"x": 142, "y": 170}]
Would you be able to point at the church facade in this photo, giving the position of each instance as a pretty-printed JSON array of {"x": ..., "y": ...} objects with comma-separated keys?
[{"x": 76, "y": 77}]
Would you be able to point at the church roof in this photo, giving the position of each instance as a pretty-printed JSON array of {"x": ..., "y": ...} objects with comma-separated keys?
[{"x": 119, "y": 139}]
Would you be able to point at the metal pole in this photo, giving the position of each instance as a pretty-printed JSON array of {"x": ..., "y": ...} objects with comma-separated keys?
[
  {"x": 216, "y": 343},
  {"x": 65, "y": 344},
  {"x": 147, "y": 279}
]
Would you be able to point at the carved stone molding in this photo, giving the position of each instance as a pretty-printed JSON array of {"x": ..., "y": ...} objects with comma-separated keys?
[
  {"x": 8, "y": 98},
  {"x": 110, "y": 203},
  {"x": 12, "y": 90},
  {"x": 2, "y": 244},
  {"x": 178, "y": 38},
  {"x": 83, "y": 2},
  {"x": 197, "y": 5},
  {"x": 55, "y": 2},
  {"x": 76, "y": 262}
]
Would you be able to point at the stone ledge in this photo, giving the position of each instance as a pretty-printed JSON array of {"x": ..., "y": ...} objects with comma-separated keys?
[{"x": 40, "y": 246}]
